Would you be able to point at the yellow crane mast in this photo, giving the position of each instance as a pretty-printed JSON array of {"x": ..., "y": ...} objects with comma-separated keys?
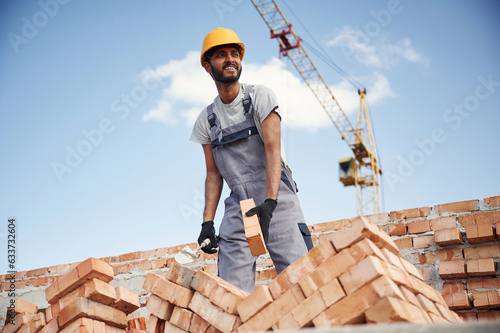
[{"x": 362, "y": 170}]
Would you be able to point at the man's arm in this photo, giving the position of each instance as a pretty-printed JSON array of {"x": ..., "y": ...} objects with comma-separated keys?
[
  {"x": 271, "y": 133},
  {"x": 213, "y": 185}
]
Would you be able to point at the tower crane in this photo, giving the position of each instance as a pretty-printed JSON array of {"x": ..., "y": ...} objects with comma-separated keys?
[{"x": 361, "y": 171}]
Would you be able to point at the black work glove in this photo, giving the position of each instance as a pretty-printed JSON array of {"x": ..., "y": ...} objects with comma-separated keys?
[
  {"x": 208, "y": 231},
  {"x": 265, "y": 213}
]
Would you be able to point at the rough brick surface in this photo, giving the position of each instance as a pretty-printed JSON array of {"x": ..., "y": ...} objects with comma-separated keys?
[
  {"x": 451, "y": 236},
  {"x": 480, "y": 233},
  {"x": 452, "y": 269},
  {"x": 253, "y": 233},
  {"x": 481, "y": 267},
  {"x": 82, "y": 307},
  {"x": 86, "y": 270}
]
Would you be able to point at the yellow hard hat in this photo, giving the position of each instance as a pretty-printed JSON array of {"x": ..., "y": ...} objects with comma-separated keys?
[{"x": 220, "y": 36}]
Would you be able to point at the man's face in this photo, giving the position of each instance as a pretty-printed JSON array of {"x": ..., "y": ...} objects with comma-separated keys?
[{"x": 225, "y": 65}]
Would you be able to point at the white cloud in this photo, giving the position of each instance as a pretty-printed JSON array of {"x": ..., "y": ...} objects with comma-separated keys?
[
  {"x": 190, "y": 89},
  {"x": 375, "y": 52},
  {"x": 162, "y": 112}
]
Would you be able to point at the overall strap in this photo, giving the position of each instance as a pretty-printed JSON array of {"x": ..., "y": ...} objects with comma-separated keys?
[
  {"x": 247, "y": 100},
  {"x": 215, "y": 127}
]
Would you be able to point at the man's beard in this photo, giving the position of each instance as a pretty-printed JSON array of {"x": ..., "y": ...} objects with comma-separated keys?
[{"x": 219, "y": 75}]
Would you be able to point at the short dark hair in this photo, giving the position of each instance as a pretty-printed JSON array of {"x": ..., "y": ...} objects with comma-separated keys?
[{"x": 210, "y": 52}]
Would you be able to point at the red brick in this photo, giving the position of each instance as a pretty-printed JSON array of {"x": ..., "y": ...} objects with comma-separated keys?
[
  {"x": 198, "y": 324},
  {"x": 34, "y": 325},
  {"x": 217, "y": 317},
  {"x": 302, "y": 315},
  {"x": 476, "y": 285},
  {"x": 266, "y": 274},
  {"x": 227, "y": 297},
  {"x": 391, "y": 309},
  {"x": 159, "y": 263},
  {"x": 445, "y": 237},
  {"x": 82, "y": 307},
  {"x": 497, "y": 228},
  {"x": 257, "y": 300},
  {"x": 167, "y": 290},
  {"x": 123, "y": 268},
  {"x": 130, "y": 256},
  {"x": 144, "y": 265},
  {"x": 203, "y": 282},
  {"x": 480, "y": 233},
  {"x": 211, "y": 269},
  {"x": 481, "y": 267},
  {"x": 423, "y": 242},
  {"x": 51, "y": 327},
  {"x": 181, "y": 275},
  {"x": 409, "y": 296},
  {"x": 358, "y": 229},
  {"x": 403, "y": 243},
  {"x": 60, "y": 269},
  {"x": 270, "y": 315},
  {"x": 458, "y": 301},
  {"x": 398, "y": 229},
  {"x": 489, "y": 315},
  {"x": 440, "y": 255},
  {"x": 452, "y": 287},
  {"x": 159, "y": 307},
  {"x": 40, "y": 281},
  {"x": 479, "y": 218},
  {"x": 171, "y": 328},
  {"x": 419, "y": 227},
  {"x": 19, "y": 320},
  {"x": 492, "y": 201},
  {"x": 380, "y": 218},
  {"x": 127, "y": 301},
  {"x": 410, "y": 213},
  {"x": 181, "y": 318},
  {"x": 447, "y": 313},
  {"x": 84, "y": 325},
  {"x": 350, "y": 309},
  {"x": 482, "y": 252},
  {"x": 486, "y": 299},
  {"x": 362, "y": 273},
  {"x": 452, "y": 269},
  {"x": 253, "y": 233},
  {"x": 24, "y": 307},
  {"x": 457, "y": 207},
  {"x": 37, "y": 272},
  {"x": 330, "y": 226},
  {"x": 427, "y": 304},
  {"x": 443, "y": 223}
]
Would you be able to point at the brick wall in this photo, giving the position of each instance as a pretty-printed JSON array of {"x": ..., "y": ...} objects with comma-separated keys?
[{"x": 456, "y": 247}]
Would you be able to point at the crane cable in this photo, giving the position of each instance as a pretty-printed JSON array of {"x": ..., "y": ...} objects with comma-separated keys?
[{"x": 325, "y": 57}]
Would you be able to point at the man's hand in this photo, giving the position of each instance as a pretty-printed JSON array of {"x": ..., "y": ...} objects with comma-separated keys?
[
  {"x": 265, "y": 213},
  {"x": 208, "y": 231}
]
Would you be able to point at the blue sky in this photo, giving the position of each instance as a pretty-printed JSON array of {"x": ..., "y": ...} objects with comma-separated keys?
[{"x": 97, "y": 99}]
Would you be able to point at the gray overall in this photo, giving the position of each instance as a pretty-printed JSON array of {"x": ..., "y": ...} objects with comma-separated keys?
[{"x": 240, "y": 157}]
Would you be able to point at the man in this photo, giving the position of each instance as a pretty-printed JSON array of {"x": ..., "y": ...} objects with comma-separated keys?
[{"x": 240, "y": 133}]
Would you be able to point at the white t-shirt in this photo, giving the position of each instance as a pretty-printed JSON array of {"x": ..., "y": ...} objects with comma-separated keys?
[{"x": 263, "y": 100}]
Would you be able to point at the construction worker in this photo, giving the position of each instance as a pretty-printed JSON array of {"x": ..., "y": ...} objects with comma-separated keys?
[{"x": 240, "y": 133}]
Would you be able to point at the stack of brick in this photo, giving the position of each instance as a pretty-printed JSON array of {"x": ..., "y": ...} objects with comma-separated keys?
[
  {"x": 186, "y": 300},
  {"x": 24, "y": 317},
  {"x": 83, "y": 300},
  {"x": 354, "y": 275},
  {"x": 477, "y": 266}
]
